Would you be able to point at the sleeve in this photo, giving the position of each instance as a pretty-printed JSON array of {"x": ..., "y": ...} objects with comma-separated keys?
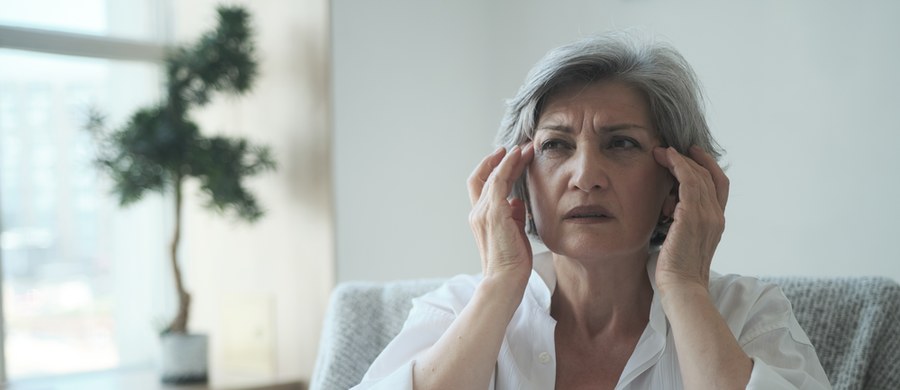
[
  {"x": 399, "y": 379},
  {"x": 783, "y": 356},
  {"x": 431, "y": 316}
]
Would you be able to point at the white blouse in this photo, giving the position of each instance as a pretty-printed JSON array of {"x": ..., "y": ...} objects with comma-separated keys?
[{"x": 758, "y": 313}]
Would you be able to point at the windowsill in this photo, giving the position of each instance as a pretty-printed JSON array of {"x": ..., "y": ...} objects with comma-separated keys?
[{"x": 132, "y": 379}]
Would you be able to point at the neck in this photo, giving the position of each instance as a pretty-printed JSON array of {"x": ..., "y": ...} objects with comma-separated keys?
[{"x": 602, "y": 296}]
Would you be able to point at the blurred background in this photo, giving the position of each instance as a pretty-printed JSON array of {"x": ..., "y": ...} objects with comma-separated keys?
[
  {"x": 86, "y": 284},
  {"x": 377, "y": 112}
]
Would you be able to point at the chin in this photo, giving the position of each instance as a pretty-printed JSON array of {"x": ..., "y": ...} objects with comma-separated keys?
[
  {"x": 589, "y": 249},
  {"x": 590, "y": 246}
]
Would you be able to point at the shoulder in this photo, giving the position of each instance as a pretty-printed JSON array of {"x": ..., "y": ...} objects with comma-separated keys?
[{"x": 753, "y": 307}]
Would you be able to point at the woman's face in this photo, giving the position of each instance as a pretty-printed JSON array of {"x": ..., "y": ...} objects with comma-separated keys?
[{"x": 594, "y": 186}]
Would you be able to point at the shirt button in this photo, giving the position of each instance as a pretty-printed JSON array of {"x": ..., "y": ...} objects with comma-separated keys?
[{"x": 544, "y": 357}]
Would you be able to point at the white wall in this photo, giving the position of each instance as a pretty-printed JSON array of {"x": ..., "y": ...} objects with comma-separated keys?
[
  {"x": 803, "y": 95},
  {"x": 402, "y": 152}
]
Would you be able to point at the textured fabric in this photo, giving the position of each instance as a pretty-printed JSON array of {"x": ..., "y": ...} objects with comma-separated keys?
[
  {"x": 362, "y": 319},
  {"x": 757, "y": 313},
  {"x": 852, "y": 322}
]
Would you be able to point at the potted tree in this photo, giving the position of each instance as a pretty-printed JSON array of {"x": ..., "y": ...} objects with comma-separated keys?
[{"x": 160, "y": 147}]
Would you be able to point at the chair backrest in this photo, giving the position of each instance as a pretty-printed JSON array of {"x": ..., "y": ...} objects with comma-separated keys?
[
  {"x": 362, "y": 319},
  {"x": 853, "y": 323}
]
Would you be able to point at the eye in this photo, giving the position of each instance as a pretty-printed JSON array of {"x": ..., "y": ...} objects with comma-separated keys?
[
  {"x": 553, "y": 144},
  {"x": 625, "y": 143}
]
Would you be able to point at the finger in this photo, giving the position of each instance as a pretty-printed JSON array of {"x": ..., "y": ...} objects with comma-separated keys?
[
  {"x": 527, "y": 155},
  {"x": 693, "y": 186},
  {"x": 499, "y": 183},
  {"x": 526, "y": 158},
  {"x": 720, "y": 180},
  {"x": 481, "y": 173}
]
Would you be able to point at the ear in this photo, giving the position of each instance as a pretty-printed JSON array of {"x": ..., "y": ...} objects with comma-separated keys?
[{"x": 668, "y": 209}]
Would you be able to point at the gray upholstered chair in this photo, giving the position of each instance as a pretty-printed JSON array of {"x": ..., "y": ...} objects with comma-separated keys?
[{"x": 854, "y": 323}]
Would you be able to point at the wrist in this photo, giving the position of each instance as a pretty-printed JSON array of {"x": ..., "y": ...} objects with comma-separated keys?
[
  {"x": 679, "y": 281},
  {"x": 683, "y": 291},
  {"x": 504, "y": 290},
  {"x": 682, "y": 301},
  {"x": 507, "y": 278}
]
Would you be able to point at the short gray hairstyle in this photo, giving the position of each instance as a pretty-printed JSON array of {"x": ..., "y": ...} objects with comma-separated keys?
[{"x": 655, "y": 69}]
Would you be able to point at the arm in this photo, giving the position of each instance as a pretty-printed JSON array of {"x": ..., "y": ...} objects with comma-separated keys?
[
  {"x": 453, "y": 335},
  {"x": 708, "y": 353},
  {"x": 430, "y": 319},
  {"x": 783, "y": 355},
  {"x": 466, "y": 354}
]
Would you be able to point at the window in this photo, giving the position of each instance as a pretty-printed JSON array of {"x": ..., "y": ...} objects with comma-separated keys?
[
  {"x": 131, "y": 19},
  {"x": 83, "y": 281}
]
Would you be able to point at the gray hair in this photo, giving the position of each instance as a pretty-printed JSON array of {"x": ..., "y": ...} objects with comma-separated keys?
[{"x": 655, "y": 69}]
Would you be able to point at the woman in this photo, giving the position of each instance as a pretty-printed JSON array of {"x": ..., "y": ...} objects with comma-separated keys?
[{"x": 610, "y": 162}]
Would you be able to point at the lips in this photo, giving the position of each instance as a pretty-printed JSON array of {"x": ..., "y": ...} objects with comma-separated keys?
[{"x": 587, "y": 213}]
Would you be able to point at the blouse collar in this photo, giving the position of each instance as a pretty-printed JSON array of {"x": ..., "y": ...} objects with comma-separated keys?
[{"x": 652, "y": 343}]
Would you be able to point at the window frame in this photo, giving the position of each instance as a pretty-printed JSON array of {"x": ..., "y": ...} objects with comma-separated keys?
[{"x": 80, "y": 45}]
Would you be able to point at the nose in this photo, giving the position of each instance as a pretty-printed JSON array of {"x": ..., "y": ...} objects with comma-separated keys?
[{"x": 589, "y": 171}]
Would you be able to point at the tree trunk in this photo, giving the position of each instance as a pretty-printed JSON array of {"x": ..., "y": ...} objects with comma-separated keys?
[{"x": 179, "y": 324}]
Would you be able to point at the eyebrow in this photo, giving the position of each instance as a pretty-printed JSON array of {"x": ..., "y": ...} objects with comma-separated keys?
[{"x": 606, "y": 129}]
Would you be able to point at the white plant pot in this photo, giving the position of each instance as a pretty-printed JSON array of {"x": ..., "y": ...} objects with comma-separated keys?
[{"x": 184, "y": 358}]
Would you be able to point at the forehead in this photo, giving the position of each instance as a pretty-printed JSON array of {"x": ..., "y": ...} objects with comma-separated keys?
[{"x": 602, "y": 102}]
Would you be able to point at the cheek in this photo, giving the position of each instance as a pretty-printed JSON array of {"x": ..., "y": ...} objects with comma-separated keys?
[
  {"x": 535, "y": 184},
  {"x": 548, "y": 169},
  {"x": 652, "y": 190},
  {"x": 665, "y": 182},
  {"x": 541, "y": 178},
  {"x": 638, "y": 183}
]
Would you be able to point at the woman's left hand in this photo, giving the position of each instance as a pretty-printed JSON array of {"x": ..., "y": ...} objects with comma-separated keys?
[
  {"x": 708, "y": 352},
  {"x": 698, "y": 220}
]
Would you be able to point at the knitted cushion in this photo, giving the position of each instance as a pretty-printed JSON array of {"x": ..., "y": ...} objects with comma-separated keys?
[{"x": 853, "y": 323}]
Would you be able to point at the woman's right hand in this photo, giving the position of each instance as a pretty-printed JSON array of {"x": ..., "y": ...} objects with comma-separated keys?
[
  {"x": 466, "y": 354},
  {"x": 497, "y": 222}
]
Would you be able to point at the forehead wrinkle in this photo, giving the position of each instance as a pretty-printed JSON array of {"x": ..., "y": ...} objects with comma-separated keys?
[
  {"x": 597, "y": 129},
  {"x": 600, "y": 122},
  {"x": 559, "y": 128},
  {"x": 602, "y": 112}
]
